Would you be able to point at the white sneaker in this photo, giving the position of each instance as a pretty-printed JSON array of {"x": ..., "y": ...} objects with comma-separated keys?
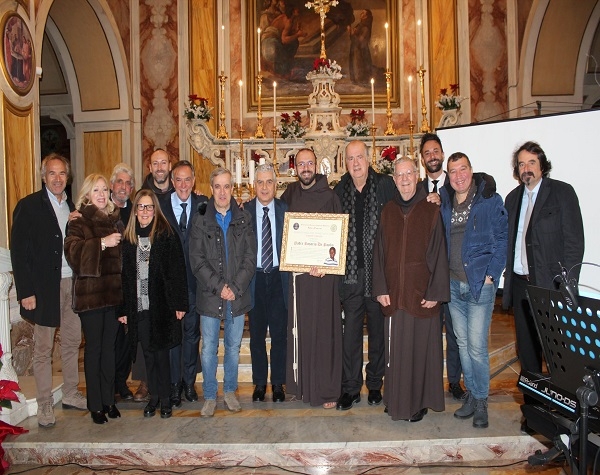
[
  {"x": 232, "y": 402},
  {"x": 76, "y": 401},
  {"x": 45, "y": 414},
  {"x": 208, "y": 410}
]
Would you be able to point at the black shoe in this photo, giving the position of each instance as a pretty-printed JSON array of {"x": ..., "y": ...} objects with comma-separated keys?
[
  {"x": 165, "y": 412},
  {"x": 125, "y": 394},
  {"x": 346, "y": 401},
  {"x": 278, "y": 393},
  {"x": 176, "y": 391},
  {"x": 98, "y": 417},
  {"x": 457, "y": 391},
  {"x": 112, "y": 411},
  {"x": 149, "y": 410},
  {"x": 259, "y": 393},
  {"x": 525, "y": 429},
  {"x": 385, "y": 409},
  {"x": 417, "y": 416},
  {"x": 374, "y": 398},
  {"x": 190, "y": 392}
]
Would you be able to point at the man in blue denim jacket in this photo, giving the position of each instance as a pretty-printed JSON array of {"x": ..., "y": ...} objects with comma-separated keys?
[{"x": 476, "y": 233}]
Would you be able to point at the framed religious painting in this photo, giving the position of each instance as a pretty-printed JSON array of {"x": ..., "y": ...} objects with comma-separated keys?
[
  {"x": 290, "y": 43},
  {"x": 17, "y": 55}
]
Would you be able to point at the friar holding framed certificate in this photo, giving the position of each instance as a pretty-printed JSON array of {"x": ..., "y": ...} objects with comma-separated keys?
[{"x": 314, "y": 358}]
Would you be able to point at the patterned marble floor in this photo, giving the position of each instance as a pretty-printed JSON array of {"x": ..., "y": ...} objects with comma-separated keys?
[{"x": 269, "y": 438}]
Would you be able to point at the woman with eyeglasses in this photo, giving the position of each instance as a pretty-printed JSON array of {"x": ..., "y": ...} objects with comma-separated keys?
[
  {"x": 155, "y": 296},
  {"x": 92, "y": 249}
]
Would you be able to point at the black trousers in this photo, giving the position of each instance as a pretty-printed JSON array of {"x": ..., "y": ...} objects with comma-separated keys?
[
  {"x": 184, "y": 357},
  {"x": 529, "y": 348},
  {"x": 270, "y": 313},
  {"x": 355, "y": 306},
  {"x": 122, "y": 358},
  {"x": 100, "y": 331},
  {"x": 453, "y": 366},
  {"x": 157, "y": 365}
]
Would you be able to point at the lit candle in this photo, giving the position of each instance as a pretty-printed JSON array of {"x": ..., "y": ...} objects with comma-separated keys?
[
  {"x": 387, "y": 47},
  {"x": 251, "y": 172},
  {"x": 238, "y": 171},
  {"x": 241, "y": 116},
  {"x": 410, "y": 96},
  {"x": 373, "y": 98},
  {"x": 274, "y": 104},
  {"x": 222, "y": 48},
  {"x": 258, "y": 51},
  {"x": 420, "y": 37}
]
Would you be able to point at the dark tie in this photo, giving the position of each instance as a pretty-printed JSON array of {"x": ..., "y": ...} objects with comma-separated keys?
[
  {"x": 183, "y": 218},
  {"x": 435, "y": 182},
  {"x": 267, "y": 242}
]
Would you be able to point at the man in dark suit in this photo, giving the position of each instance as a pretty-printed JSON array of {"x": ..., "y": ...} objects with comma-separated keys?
[
  {"x": 432, "y": 159},
  {"x": 269, "y": 288},
  {"x": 179, "y": 207},
  {"x": 43, "y": 281},
  {"x": 545, "y": 227}
]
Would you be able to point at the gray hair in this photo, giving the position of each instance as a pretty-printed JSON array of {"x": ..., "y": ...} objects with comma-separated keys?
[
  {"x": 219, "y": 171},
  {"x": 405, "y": 159},
  {"x": 122, "y": 168},
  {"x": 265, "y": 168}
]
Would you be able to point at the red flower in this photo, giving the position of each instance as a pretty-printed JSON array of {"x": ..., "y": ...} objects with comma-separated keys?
[
  {"x": 444, "y": 91},
  {"x": 193, "y": 97},
  {"x": 256, "y": 156},
  {"x": 389, "y": 153},
  {"x": 285, "y": 117},
  {"x": 297, "y": 116},
  {"x": 320, "y": 63},
  {"x": 7, "y": 392},
  {"x": 454, "y": 88}
]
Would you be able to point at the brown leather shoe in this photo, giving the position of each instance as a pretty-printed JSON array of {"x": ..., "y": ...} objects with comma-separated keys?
[{"x": 141, "y": 395}]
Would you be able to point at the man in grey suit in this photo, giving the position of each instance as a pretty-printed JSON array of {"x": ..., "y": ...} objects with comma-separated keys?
[
  {"x": 269, "y": 288},
  {"x": 179, "y": 208}
]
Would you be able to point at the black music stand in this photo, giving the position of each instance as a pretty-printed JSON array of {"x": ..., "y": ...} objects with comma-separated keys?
[{"x": 570, "y": 340}]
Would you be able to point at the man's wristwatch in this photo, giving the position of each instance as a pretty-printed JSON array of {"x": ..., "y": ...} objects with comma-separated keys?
[{"x": 103, "y": 244}]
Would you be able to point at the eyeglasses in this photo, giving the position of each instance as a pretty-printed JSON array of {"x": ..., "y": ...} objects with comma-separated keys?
[
  {"x": 305, "y": 164},
  {"x": 142, "y": 207},
  {"x": 408, "y": 174}
]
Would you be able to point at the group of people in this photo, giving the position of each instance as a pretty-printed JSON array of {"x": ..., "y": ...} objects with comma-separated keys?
[{"x": 171, "y": 265}]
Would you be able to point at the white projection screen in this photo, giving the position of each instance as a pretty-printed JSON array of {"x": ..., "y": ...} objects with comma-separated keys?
[{"x": 571, "y": 142}]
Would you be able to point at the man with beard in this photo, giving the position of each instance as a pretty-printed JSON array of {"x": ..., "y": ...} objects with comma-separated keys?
[
  {"x": 545, "y": 227},
  {"x": 432, "y": 159},
  {"x": 158, "y": 178},
  {"x": 363, "y": 193},
  {"x": 314, "y": 361}
]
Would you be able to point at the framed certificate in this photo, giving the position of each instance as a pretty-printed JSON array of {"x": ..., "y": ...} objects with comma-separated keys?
[{"x": 314, "y": 239}]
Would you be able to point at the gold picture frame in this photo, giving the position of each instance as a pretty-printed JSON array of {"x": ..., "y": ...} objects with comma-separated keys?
[
  {"x": 18, "y": 56},
  {"x": 314, "y": 240},
  {"x": 290, "y": 72}
]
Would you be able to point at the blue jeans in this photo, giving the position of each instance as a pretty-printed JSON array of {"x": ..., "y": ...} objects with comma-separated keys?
[
  {"x": 471, "y": 320},
  {"x": 211, "y": 327}
]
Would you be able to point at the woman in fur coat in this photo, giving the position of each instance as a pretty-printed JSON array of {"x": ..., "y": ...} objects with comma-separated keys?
[{"x": 155, "y": 296}]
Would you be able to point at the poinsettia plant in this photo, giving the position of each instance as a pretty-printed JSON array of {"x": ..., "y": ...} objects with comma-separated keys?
[
  {"x": 325, "y": 66},
  {"x": 358, "y": 124},
  {"x": 386, "y": 163},
  {"x": 290, "y": 126},
  {"x": 197, "y": 108},
  {"x": 451, "y": 100}
]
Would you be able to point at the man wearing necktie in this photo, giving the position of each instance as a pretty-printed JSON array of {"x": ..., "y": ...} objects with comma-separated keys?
[
  {"x": 269, "y": 288},
  {"x": 179, "y": 208},
  {"x": 545, "y": 227}
]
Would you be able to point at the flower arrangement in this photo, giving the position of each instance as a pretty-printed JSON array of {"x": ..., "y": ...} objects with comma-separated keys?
[
  {"x": 197, "y": 108},
  {"x": 386, "y": 163},
  {"x": 290, "y": 126},
  {"x": 449, "y": 101},
  {"x": 358, "y": 124},
  {"x": 325, "y": 66}
]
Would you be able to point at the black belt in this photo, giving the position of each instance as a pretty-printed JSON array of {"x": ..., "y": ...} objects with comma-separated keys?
[
  {"x": 262, "y": 271},
  {"x": 522, "y": 277}
]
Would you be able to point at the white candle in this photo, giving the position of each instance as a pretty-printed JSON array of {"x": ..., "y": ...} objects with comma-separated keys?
[
  {"x": 387, "y": 47},
  {"x": 373, "y": 98},
  {"x": 274, "y": 104},
  {"x": 258, "y": 50},
  {"x": 420, "y": 38},
  {"x": 251, "y": 172},
  {"x": 222, "y": 49},
  {"x": 241, "y": 116},
  {"x": 410, "y": 96},
  {"x": 238, "y": 171}
]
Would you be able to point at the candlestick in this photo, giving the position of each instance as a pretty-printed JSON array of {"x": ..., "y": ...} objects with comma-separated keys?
[
  {"x": 259, "y": 133},
  {"x": 389, "y": 130},
  {"x": 420, "y": 38},
  {"x": 258, "y": 50},
  {"x": 222, "y": 48},
  {"x": 373, "y": 98},
  {"x": 424, "y": 123},
  {"x": 222, "y": 133},
  {"x": 410, "y": 78},
  {"x": 238, "y": 171},
  {"x": 387, "y": 46},
  {"x": 373, "y": 148},
  {"x": 241, "y": 83},
  {"x": 274, "y": 105},
  {"x": 251, "y": 172}
]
